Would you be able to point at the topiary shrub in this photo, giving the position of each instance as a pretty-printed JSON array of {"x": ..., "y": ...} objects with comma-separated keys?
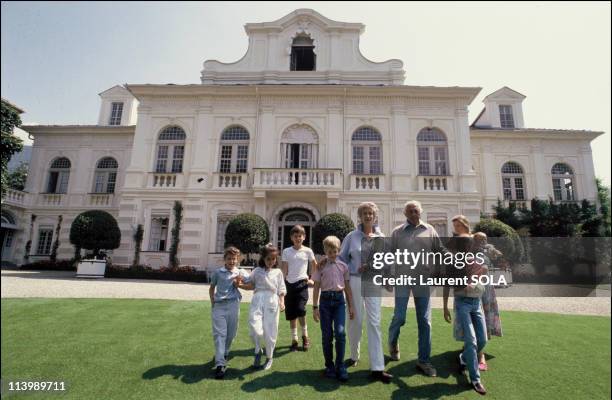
[
  {"x": 509, "y": 242},
  {"x": 335, "y": 224},
  {"x": 248, "y": 232},
  {"x": 95, "y": 230}
]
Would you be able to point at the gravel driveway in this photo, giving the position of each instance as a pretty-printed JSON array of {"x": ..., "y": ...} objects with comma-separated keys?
[{"x": 62, "y": 284}]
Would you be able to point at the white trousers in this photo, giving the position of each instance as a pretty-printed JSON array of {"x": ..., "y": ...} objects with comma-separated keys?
[
  {"x": 370, "y": 308},
  {"x": 263, "y": 321}
]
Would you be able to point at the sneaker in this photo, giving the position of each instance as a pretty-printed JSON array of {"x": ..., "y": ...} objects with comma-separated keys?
[
  {"x": 426, "y": 368},
  {"x": 294, "y": 345},
  {"x": 477, "y": 386},
  {"x": 350, "y": 363},
  {"x": 220, "y": 372},
  {"x": 305, "y": 343},
  {"x": 342, "y": 374},
  {"x": 268, "y": 364},
  {"x": 394, "y": 352},
  {"x": 257, "y": 361},
  {"x": 330, "y": 372},
  {"x": 382, "y": 376}
]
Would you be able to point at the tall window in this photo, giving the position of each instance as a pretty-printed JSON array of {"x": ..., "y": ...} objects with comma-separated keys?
[
  {"x": 563, "y": 182},
  {"x": 367, "y": 151},
  {"x": 45, "y": 236},
  {"x": 170, "y": 150},
  {"x": 116, "y": 112},
  {"x": 303, "y": 57},
  {"x": 159, "y": 233},
  {"x": 432, "y": 150},
  {"x": 299, "y": 147},
  {"x": 513, "y": 181},
  {"x": 105, "y": 178},
  {"x": 59, "y": 174},
  {"x": 506, "y": 118},
  {"x": 222, "y": 222},
  {"x": 234, "y": 155}
]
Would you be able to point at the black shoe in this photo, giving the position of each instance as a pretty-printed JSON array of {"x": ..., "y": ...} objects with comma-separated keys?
[
  {"x": 350, "y": 363},
  {"x": 330, "y": 372},
  {"x": 294, "y": 346},
  {"x": 220, "y": 372},
  {"x": 382, "y": 376},
  {"x": 477, "y": 386},
  {"x": 342, "y": 374}
]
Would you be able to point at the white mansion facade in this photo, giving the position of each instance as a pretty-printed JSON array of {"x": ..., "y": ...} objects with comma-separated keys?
[{"x": 301, "y": 126}]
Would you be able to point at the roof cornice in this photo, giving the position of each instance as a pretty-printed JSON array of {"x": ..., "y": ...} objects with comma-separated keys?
[
  {"x": 533, "y": 133},
  {"x": 78, "y": 129}
]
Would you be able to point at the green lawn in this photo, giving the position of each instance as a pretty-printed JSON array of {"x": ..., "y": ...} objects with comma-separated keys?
[{"x": 158, "y": 349}]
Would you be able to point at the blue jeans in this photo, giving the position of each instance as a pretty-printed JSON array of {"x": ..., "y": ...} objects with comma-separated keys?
[
  {"x": 470, "y": 317},
  {"x": 423, "y": 316},
  {"x": 333, "y": 318}
]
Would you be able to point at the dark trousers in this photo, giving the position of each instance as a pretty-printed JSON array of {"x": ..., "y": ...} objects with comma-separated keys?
[{"x": 333, "y": 319}]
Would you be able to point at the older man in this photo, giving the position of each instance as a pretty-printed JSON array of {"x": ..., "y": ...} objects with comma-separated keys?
[{"x": 414, "y": 235}]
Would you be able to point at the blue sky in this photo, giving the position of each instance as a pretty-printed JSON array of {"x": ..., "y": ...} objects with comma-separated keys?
[{"x": 56, "y": 57}]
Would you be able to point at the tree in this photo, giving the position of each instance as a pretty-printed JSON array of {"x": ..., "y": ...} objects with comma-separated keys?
[
  {"x": 11, "y": 144},
  {"x": 603, "y": 195},
  {"x": 17, "y": 179},
  {"x": 176, "y": 233},
  {"x": 509, "y": 242},
  {"x": 248, "y": 232},
  {"x": 334, "y": 224},
  {"x": 95, "y": 230}
]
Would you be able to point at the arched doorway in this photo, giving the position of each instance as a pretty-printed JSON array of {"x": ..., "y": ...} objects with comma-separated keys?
[{"x": 286, "y": 221}]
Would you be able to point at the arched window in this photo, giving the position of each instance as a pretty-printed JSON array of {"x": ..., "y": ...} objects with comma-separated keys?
[
  {"x": 170, "y": 150},
  {"x": 303, "y": 57},
  {"x": 234, "y": 150},
  {"x": 563, "y": 182},
  {"x": 367, "y": 151},
  {"x": 299, "y": 147},
  {"x": 105, "y": 177},
  {"x": 513, "y": 181},
  {"x": 59, "y": 174},
  {"x": 432, "y": 150}
]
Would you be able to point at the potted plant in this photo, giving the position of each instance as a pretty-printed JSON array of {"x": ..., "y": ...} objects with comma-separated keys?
[{"x": 94, "y": 230}]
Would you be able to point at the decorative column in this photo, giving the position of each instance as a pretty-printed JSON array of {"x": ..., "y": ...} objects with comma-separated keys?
[{"x": 465, "y": 174}]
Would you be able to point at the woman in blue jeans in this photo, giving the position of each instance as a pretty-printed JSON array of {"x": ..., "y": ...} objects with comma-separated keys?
[{"x": 467, "y": 304}]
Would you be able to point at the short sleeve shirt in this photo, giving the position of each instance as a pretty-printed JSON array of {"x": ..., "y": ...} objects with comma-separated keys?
[
  {"x": 297, "y": 261},
  {"x": 332, "y": 276},
  {"x": 223, "y": 280}
]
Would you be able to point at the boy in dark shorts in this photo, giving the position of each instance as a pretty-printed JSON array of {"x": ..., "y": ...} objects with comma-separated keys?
[{"x": 296, "y": 261}]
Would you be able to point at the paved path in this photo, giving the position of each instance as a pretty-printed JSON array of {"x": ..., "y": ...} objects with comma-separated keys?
[{"x": 62, "y": 284}]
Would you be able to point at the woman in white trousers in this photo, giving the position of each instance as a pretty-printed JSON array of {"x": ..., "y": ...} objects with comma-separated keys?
[{"x": 368, "y": 307}]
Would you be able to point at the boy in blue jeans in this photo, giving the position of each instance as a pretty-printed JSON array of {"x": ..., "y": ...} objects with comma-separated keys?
[{"x": 331, "y": 280}]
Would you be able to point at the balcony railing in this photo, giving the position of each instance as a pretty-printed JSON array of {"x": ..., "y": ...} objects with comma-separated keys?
[
  {"x": 230, "y": 180},
  {"x": 100, "y": 199},
  {"x": 162, "y": 180},
  {"x": 367, "y": 182},
  {"x": 52, "y": 199},
  {"x": 288, "y": 178},
  {"x": 15, "y": 197},
  {"x": 517, "y": 203},
  {"x": 435, "y": 183}
]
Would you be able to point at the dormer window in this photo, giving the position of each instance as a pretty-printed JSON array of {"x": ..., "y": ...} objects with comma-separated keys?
[
  {"x": 303, "y": 57},
  {"x": 506, "y": 119},
  {"x": 116, "y": 112}
]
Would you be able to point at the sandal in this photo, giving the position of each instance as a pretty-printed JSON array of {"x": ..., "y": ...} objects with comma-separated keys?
[{"x": 483, "y": 367}]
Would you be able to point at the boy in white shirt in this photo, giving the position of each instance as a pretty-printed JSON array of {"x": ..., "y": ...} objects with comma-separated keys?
[{"x": 296, "y": 261}]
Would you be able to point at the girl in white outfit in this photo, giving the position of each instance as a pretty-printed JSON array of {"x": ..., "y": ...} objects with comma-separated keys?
[{"x": 268, "y": 302}]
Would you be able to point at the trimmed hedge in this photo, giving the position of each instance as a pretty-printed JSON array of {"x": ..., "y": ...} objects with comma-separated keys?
[
  {"x": 248, "y": 232},
  {"x": 183, "y": 274},
  {"x": 509, "y": 244},
  {"x": 95, "y": 230},
  {"x": 335, "y": 224},
  {"x": 48, "y": 265}
]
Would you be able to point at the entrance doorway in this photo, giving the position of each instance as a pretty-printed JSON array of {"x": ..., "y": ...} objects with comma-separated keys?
[{"x": 286, "y": 221}]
